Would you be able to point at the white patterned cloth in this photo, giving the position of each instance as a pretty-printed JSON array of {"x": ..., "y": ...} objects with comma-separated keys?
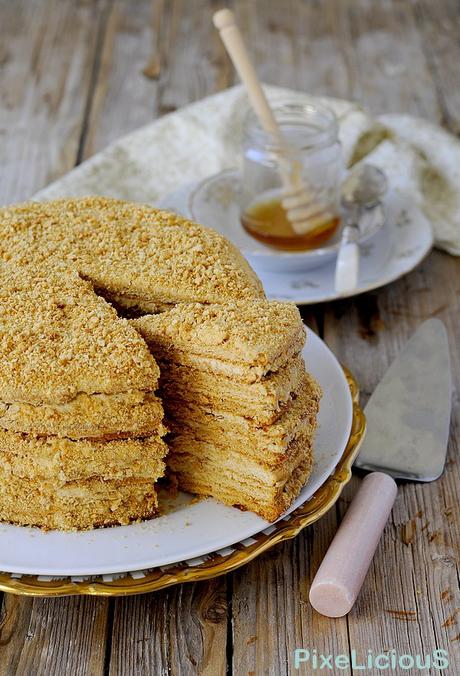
[{"x": 205, "y": 137}]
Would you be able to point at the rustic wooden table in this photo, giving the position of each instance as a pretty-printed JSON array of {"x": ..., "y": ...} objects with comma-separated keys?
[{"x": 78, "y": 74}]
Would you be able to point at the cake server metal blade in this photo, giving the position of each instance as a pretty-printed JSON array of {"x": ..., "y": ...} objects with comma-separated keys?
[{"x": 408, "y": 414}]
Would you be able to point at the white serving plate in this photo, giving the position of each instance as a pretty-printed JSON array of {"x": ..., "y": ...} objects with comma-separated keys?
[
  {"x": 397, "y": 248},
  {"x": 187, "y": 530},
  {"x": 214, "y": 202}
]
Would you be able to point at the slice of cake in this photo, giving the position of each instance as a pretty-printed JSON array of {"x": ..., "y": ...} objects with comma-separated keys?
[
  {"x": 254, "y": 457},
  {"x": 59, "y": 340},
  {"x": 80, "y": 423},
  {"x": 246, "y": 341}
]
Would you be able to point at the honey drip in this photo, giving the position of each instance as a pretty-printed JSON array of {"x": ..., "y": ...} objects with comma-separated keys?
[{"x": 266, "y": 221}]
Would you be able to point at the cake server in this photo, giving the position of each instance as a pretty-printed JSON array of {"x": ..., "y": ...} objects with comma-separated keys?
[{"x": 408, "y": 419}]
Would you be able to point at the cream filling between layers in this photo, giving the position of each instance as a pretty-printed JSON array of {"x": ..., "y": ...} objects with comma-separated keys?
[
  {"x": 268, "y": 503},
  {"x": 61, "y": 471},
  {"x": 76, "y": 505},
  {"x": 261, "y": 400},
  {"x": 132, "y": 413},
  {"x": 61, "y": 460},
  {"x": 137, "y": 304},
  {"x": 227, "y": 430},
  {"x": 244, "y": 493},
  {"x": 269, "y": 500},
  {"x": 204, "y": 459}
]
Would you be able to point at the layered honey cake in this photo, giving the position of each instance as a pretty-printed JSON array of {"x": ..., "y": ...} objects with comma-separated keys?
[
  {"x": 81, "y": 422},
  {"x": 214, "y": 359}
]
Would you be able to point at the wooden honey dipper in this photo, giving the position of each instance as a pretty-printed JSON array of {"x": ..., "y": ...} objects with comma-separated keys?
[{"x": 303, "y": 210}]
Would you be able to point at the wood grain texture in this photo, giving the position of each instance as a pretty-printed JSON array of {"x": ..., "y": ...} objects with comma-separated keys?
[
  {"x": 271, "y": 615},
  {"x": 180, "y": 631},
  {"x": 123, "y": 97},
  {"x": 39, "y": 637},
  {"x": 382, "y": 47},
  {"x": 47, "y": 54},
  {"x": 75, "y": 76},
  {"x": 419, "y": 549},
  {"x": 439, "y": 25}
]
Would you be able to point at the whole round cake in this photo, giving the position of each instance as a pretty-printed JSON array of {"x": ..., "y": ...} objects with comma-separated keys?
[{"x": 112, "y": 314}]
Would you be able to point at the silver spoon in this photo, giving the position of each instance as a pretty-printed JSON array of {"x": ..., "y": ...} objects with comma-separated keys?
[{"x": 362, "y": 189}]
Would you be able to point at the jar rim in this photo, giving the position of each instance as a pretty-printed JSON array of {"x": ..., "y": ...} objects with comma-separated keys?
[{"x": 309, "y": 113}]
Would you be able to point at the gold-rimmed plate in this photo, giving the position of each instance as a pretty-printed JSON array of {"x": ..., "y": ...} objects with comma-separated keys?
[
  {"x": 215, "y": 563},
  {"x": 186, "y": 529}
]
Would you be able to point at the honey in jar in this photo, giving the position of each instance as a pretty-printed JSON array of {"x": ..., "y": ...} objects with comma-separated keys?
[
  {"x": 312, "y": 150},
  {"x": 266, "y": 220}
]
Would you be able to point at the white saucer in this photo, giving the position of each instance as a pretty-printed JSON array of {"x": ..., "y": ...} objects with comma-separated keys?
[
  {"x": 396, "y": 249},
  {"x": 214, "y": 202},
  {"x": 187, "y": 530}
]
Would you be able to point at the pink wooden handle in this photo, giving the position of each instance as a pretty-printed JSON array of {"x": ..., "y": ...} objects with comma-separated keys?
[{"x": 341, "y": 574}]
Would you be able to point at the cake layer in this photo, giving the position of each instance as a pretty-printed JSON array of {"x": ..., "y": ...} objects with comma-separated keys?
[
  {"x": 75, "y": 505},
  {"x": 262, "y": 401},
  {"x": 243, "y": 340},
  {"x": 58, "y": 460},
  {"x": 93, "y": 416},
  {"x": 228, "y": 431},
  {"x": 58, "y": 339},
  {"x": 193, "y": 452},
  {"x": 130, "y": 250},
  {"x": 238, "y": 484}
]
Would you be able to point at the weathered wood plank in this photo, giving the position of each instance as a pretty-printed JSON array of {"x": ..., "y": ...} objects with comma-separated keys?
[
  {"x": 270, "y": 609},
  {"x": 439, "y": 25},
  {"x": 51, "y": 637},
  {"x": 142, "y": 76},
  {"x": 293, "y": 46},
  {"x": 386, "y": 65},
  {"x": 124, "y": 98},
  {"x": 196, "y": 67},
  {"x": 46, "y": 55},
  {"x": 416, "y": 612},
  {"x": 368, "y": 51},
  {"x": 180, "y": 631}
]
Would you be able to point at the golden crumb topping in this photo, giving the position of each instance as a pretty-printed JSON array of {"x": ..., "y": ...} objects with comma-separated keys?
[
  {"x": 59, "y": 339},
  {"x": 252, "y": 332},
  {"x": 130, "y": 249}
]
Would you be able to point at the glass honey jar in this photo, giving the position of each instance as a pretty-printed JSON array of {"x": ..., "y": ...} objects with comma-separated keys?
[{"x": 310, "y": 147}]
